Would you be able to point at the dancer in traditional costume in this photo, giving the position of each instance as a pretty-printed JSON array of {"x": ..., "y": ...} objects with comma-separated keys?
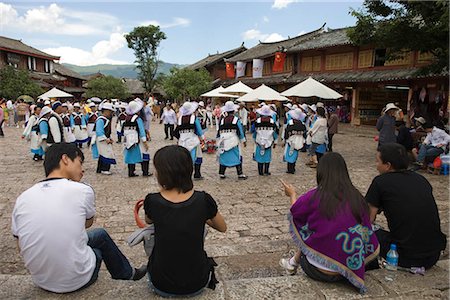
[
  {"x": 80, "y": 128},
  {"x": 91, "y": 118},
  {"x": 294, "y": 138},
  {"x": 101, "y": 141},
  {"x": 230, "y": 133},
  {"x": 121, "y": 116},
  {"x": 136, "y": 145},
  {"x": 68, "y": 125},
  {"x": 31, "y": 133},
  {"x": 265, "y": 133},
  {"x": 190, "y": 135}
]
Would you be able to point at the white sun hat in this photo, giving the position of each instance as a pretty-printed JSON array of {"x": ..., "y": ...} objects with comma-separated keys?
[
  {"x": 297, "y": 114},
  {"x": 390, "y": 106},
  {"x": 265, "y": 111},
  {"x": 45, "y": 110},
  {"x": 188, "y": 108},
  {"x": 77, "y": 105},
  {"x": 229, "y": 106},
  {"x": 107, "y": 106},
  {"x": 134, "y": 106},
  {"x": 421, "y": 120},
  {"x": 295, "y": 106},
  {"x": 304, "y": 107},
  {"x": 320, "y": 104},
  {"x": 313, "y": 107},
  {"x": 201, "y": 103},
  {"x": 288, "y": 105},
  {"x": 91, "y": 104}
]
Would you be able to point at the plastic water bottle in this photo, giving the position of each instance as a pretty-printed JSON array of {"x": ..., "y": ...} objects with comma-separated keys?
[{"x": 392, "y": 258}]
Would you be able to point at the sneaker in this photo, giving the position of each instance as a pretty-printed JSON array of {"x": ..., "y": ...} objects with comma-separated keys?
[
  {"x": 286, "y": 265},
  {"x": 147, "y": 175},
  {"x": 139, "y": 273},
  {"x": 106, "y": 172},
  {"x": 222, "y": 176},
  {"x": 199, "y": 178},
  {"x": 242, "y": 177}
]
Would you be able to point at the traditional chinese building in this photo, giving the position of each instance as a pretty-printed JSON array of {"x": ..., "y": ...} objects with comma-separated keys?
[
  {"x": 42, "y": 67},
  {"x": 214, "y": 63},
  {"x": 363, "y": 74}
]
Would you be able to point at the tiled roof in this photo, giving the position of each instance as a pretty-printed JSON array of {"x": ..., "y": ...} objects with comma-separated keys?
[
  {"x": 263, "y": 50},
  {"x": 330, "y": 38},
  {"x": 364, "y": 76},
  {"x": 17, "y": 46},
  {"x": 60, "y": 69},
  {"x": 214, "y": 58},
  {"x": 338, "y": 77},
  {"x": 134, "y": 86},
  {"x": 47, "y": 76}
]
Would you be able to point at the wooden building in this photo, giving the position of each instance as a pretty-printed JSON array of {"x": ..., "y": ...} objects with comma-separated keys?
[
  {"x": 362, "y": 74},
  {"x": 214, "y": 63},
  {"x": 42, "y": 67}
]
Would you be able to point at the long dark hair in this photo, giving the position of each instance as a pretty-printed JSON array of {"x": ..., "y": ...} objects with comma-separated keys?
[{"x": 335, "y": 190}]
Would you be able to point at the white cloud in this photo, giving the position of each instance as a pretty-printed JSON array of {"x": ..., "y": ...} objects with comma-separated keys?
[
  {"x": 280, "y": 4},
  {"x": 176, "y": 22},
  {"x": 255, "y": 34},
  {"x": 99, "y": 53},
  {"x": 274, "y": 37},
  {"x": 55, "y": 19},
  {"x": 266, "y": 19}
]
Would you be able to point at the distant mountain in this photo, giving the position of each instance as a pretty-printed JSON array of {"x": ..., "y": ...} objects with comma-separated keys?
[{"x": 119, "y": 71}]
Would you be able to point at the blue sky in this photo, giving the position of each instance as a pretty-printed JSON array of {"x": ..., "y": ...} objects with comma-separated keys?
[{"x": 87, "y": 33}]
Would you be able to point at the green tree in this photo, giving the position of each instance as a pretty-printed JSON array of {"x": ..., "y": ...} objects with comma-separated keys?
[
  {"x": 182, "y": 84},
  {"x": 14, "y": 83},
  {"x": 405, "y": 25},
  {"x": 107, "y": 87},
  {"x": 145, "y": 40}
]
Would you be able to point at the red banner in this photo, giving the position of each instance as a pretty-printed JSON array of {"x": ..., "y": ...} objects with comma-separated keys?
[
  {"x": 230, "y": 70},
  {"x": 278, "y": 64}
]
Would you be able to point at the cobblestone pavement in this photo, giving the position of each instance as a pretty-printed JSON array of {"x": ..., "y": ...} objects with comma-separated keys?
[{"x": 255, "y": 211}]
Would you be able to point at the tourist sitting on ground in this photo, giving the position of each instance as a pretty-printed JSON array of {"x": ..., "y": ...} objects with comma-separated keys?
[
  {"x": 178, "y": 265},
  {"x": 406, "y": 198},
  {"x": 435, "y": 144},
  {"x": 50, "y": 220},
  {"x": 327, "y": 222},
  {"x": 418, "y": 133},
  {"x": 404, "y": 137}
]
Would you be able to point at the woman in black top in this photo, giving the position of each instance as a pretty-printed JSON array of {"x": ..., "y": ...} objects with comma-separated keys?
[{"x": 179, "y": 265}]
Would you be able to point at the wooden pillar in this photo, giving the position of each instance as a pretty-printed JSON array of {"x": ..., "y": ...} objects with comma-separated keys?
[{"x": 354, "y": 108}]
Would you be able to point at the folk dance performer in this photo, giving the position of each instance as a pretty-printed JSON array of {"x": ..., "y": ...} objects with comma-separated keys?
[
  {"x": 31, "y": 133},
  {"x": 121, "y": 117},
  {"x": 231, "y": 131},
  {"x": 265, "y": 133},
  {"x": 80, "y": 130},
  {"x": 91, "y": 118},
  {"x": 294, "y": 137},
  {"x": 190, "y": 134},
  {"x": 136, "y": 145},
  {"x": 102, "y": 142},
  {"x": 68, "y": 125}
]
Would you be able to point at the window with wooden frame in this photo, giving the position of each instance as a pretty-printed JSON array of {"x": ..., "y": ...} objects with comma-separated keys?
[
  {"x": 316, "y": 63},
  {"x": 340, "y": 61},
  {"x": 403, "y": 59},
  {"x": 424, "y": 57},
  {"x": 365, "y": 59},
  {"x": 267, "y": 68},
  {"x": 288, "y": 63},
  {"x": 249, "y": 69},
  {"x": 47, "y": 66},
  {"x": 31, "y": 63},
  {"x": 307, "y": 64}
]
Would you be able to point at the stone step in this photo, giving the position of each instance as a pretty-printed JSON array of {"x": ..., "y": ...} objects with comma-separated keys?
[{"x": 381, "y": 284}]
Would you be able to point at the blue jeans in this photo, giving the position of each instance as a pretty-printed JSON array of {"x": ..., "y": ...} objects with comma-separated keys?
[
  {"x": 428, "y": 151},
  {"x": 105, "y": 249}
]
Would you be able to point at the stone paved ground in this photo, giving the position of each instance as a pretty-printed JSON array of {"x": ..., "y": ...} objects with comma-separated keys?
[{"x": 255, "y": 211}]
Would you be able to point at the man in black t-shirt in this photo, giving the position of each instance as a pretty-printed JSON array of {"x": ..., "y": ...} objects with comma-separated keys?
[{"x": 410, "y": 209}]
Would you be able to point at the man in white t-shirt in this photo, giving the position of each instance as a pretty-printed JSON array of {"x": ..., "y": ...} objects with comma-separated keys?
[{"x": 50, "y": 220}]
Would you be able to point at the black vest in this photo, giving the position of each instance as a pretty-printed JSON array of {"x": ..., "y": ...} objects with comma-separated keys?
[{"x": 50, "y": 137}]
